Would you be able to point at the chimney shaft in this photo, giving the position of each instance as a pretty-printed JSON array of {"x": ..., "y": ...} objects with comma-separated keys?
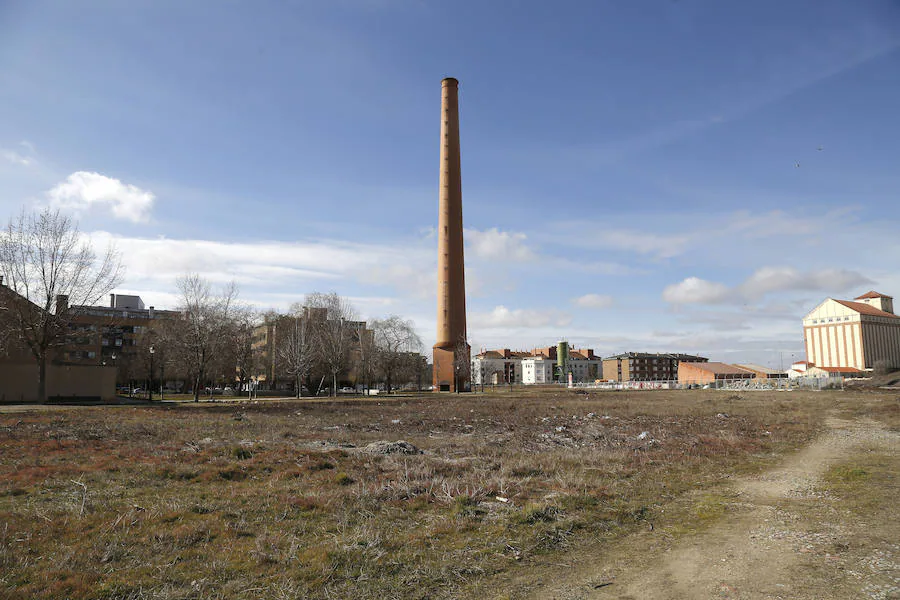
[
  {"x": 112, "y": 300},
  {"x": 451, "y": 293}
]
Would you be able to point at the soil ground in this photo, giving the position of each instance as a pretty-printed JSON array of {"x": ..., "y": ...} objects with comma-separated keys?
[
  {"x": 783, "y": 534},
  {"x": 515, "y": 494}
]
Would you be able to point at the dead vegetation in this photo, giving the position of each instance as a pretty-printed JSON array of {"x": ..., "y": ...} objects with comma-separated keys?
[{"x": 408, "y": 498}]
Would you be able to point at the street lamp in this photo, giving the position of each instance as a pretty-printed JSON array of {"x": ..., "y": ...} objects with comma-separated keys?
[{"x": 150, "y": 387}]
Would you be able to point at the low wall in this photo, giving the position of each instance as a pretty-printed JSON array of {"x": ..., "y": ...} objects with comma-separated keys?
[{"x": 19, "y": 383}]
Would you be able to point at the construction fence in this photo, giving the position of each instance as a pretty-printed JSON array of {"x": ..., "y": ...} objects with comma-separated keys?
[{"x": 797, "y": 383}]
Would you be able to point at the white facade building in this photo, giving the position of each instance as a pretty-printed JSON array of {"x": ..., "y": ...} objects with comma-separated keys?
[
  {"x": 857, "y": 334},
  {"x": 498, "y": 367},
  {"x": 537, "y": 369}
]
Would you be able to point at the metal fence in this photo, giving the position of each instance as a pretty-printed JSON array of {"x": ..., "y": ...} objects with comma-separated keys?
[{"x": 797, "y": 383}]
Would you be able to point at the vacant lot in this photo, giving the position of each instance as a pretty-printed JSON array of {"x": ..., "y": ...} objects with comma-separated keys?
[{"x": 295, "y": 499}]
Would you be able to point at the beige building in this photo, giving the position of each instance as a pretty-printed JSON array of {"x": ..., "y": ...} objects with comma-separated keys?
[{"x": 859, "y": 333}]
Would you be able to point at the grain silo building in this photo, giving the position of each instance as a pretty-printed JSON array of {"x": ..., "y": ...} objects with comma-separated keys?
[{"x": 858, "y": 333}]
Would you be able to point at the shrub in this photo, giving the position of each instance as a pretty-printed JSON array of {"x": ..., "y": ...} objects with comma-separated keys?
[
  {"x": 537, "y": 513},
  {"x": 322, "y": 465},
  {"x": 241, "y": 453},
  {"x": 343, "y": 479}
]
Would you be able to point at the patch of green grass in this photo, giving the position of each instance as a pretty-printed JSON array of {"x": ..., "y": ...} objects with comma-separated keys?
[
  {"x": 538, "y": 513},
  {"x": 846, "y": 474},
  {"x": 343, "y": 479}
]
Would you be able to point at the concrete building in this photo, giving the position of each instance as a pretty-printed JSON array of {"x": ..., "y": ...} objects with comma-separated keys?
[
  {"x": 272, "y": 374},
  {"x": 451, "y": 351},
  {"x": 114, "y": 335},
  {"x": 645, "y": 366},
  {"x": 710, "y": 372},
  {"x": 498, "y": 367},
  {"x": 19, "y": 369},
  {"x": 859, "y": 333}
]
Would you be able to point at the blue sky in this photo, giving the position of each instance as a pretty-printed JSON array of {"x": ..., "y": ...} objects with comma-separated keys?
[{"x": 630, "y": 169}]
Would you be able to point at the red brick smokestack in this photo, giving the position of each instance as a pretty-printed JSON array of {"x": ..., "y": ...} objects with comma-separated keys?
[{"x": 451, "y": 352}]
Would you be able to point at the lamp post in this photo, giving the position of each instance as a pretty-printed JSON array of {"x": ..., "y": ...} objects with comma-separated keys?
[
  {"x": 456, "y": 379},
  {"x": 150, "y": 387}
]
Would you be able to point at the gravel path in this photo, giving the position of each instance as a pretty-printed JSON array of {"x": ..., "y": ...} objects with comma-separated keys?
[{"x": 768, "y": 544}]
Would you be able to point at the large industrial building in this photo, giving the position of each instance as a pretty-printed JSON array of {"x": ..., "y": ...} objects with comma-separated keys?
[{"x": 861, "y": 333}]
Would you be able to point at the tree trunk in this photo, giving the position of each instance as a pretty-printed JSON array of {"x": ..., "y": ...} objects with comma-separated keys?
[
  {"x": 42, "y": 379},
  {"x": 299, "y": 386},
  {"x": 334, "y": 384},
  {"x": 197, "y": 387}
]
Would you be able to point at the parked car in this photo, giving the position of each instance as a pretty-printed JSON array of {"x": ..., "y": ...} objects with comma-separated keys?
[{"x": 347, "y": 390}]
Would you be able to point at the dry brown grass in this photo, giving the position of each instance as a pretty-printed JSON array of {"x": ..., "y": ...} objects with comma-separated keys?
[{"x": 277, "y": 500}]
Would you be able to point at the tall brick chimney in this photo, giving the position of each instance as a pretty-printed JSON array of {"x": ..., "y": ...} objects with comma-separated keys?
[{"x": 451, "y": 293}]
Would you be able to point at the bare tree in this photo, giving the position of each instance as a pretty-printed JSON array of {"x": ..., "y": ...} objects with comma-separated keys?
[
  {"x": 294, "y": 345},
  {"x": 462, "y": 364},
  {"x": 397, "y": 344},
  {"x": 45, "y": 260},
  {"x": 245, "y": 321},
  {"x": 207, "y": 317},
  {"x": 334, "y": 329},
  {"x": 366, "y": 354}
]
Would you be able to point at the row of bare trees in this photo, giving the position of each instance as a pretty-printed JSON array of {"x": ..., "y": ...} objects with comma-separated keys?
[
  {"x": 323, "y": 335},
  {"x": 44, "y": 257}
]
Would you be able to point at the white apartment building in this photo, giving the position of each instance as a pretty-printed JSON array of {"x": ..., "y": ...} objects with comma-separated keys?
[
  {"x": 858, "y": 333},
  {"x": 499, "y": 367},
  {"x": 537, "y": 369}
]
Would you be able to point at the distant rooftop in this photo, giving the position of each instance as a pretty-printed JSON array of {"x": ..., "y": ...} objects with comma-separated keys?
[{"x": 872, "y": 294}]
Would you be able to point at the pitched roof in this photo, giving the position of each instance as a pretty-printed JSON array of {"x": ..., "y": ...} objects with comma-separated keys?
[
  {"x": 872, "y": 294},
  {"x": 840, "y": 369},
  {"x": 720, "y": 368},
  {"x": 759, "y": 369},
  {"x": 866, "y": 309}
]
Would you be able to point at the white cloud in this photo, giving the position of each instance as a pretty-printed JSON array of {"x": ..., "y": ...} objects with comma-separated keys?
[
  {"x": 763, "y": 281},
  {"x": 493, "y": 244},
  {"x": 594, "y": 301},
  {"x": 694, "y": 290},
  {"x": 269, "y": 266},
  {"x": 83, "y": 190},
  {"x": 16, "y": 158},
  {"x": 640, "y": 242},
  {"x": 502, "y": 317},
  {"x": 779, "y": 279}
]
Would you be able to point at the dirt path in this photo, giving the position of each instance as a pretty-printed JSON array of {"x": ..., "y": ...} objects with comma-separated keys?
[{"x": 775, "y": 539}]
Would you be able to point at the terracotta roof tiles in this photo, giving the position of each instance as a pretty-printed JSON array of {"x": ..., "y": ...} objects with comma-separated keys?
[
  {"x": 866, "y": 309},
  {"x": 872, "y": 294}
]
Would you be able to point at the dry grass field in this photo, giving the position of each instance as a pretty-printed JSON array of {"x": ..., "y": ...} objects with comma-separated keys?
[{"x": 298, "y": 500}]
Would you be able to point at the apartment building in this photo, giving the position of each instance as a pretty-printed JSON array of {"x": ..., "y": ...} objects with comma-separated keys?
[
  {"x": 537, "y": 366},
  {"x": 646, "y": 366},
  {"x": 271, "y": 373}
]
